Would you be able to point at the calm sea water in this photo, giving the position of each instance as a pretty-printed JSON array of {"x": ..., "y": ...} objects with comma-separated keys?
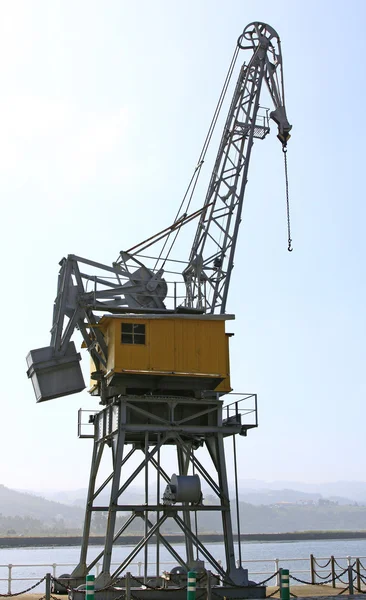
[{"x": 33, "y": 563}]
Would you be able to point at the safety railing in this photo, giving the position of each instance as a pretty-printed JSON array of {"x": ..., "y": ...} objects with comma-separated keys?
[
  {"x": 332, "y": 570},
  {"x": 239, "y": 407},
  {"x": 10, "y": 575}
]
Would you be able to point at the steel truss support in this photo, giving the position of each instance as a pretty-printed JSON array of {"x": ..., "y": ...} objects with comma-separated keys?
[{"x": 153, "y": 428}]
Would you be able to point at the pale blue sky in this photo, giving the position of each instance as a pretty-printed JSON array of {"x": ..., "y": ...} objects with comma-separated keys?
[{"x": 104, "y": 107}]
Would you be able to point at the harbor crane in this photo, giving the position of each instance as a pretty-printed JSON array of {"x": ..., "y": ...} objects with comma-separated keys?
[{"x": 160, "y": 360}]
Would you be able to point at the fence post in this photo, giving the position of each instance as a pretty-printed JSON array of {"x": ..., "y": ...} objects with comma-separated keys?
[
  {"x": 191, "y": 585},
  {"x": 89, "y": 588},
  {"x": 358, "y": 574},
  {"x": 285, "y": 584},
  {"x": 48, "y": 586},
  {"x": 128, "y": 585},
  {"x": 332, "y": 564},
  {"x": 350, "y": 579},
  {"x": 312, "y": 569},
  {"x": 9, "y": 578},
  {"x": 277, "y": 568},
  {"x": 139, "y": 564},
  {"x": 209, "y": 584}
]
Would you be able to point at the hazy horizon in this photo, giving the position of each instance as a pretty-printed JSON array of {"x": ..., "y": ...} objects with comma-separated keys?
[{"x": 243, "y": 484}]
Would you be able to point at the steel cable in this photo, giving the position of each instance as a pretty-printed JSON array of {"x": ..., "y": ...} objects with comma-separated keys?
[
  {"x": 338, "y": 565},
  {"x": 320, "y": 582},
  {"x": 320, "y": 576},
  {"x": 273, "y": 593},
  {"x": 289, "y": 248},
  {"x": 342, "y": 592},
  {"x": 202, "y": 156},
  {"x": 322, "y": 566},
  {"x": 302, "y": 580},
  {"x": 24, "y": 591}
]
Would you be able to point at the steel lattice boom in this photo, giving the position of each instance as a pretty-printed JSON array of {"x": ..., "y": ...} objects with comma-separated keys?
[{"x": 211, "y": 261}]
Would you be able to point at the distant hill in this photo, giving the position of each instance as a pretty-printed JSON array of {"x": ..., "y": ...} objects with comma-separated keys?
[
  {"x": 350, "y": 491},
  {"x": 268, "y": 497},
  {"x": 269, "y": 511},
  {"x": 266, "y": 493},
  {"x": 134, "y": 495},
  {"x": 21, "y": 504}
]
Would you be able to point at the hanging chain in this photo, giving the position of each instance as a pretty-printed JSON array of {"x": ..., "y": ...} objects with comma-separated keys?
[{"x": 289, "y": 248}]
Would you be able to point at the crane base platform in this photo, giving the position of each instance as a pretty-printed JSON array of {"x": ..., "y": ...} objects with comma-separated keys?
[{"x": 171, "y": 593}]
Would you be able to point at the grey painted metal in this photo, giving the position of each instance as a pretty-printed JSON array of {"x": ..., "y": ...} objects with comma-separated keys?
[
  {"x": 195, "y": 539},
  {"x": 215, "y": 446},
  {"x": 186, "y": 420},
  {"x": 118, "y": 442},
  {"x": 128, "y": 586},
  {"x": 157, "y": 507},
  {"x": 114, "y": 430},
  {"x": 238, "y": 417},
  {"x": 183, "y": 462},
  {"x": 168, "y": 546},
  {"x": 211, "y": 261},
  {"x": 183, "y": 488},
  {"x": 158, "y": 467},
  {"x": 54, "y": 376},
  {"x": 55, "y": 370},
  {"x": 81, "y": 570},
  {"x": 146, "y": 514}
]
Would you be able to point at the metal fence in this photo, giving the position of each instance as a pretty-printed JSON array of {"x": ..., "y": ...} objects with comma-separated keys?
[{"x": 313, "y": 570}]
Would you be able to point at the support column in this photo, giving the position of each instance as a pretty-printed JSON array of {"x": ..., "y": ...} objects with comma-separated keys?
[
  {"x": 215, "y": 447},
  {"x": 81, "y": 569},
  {"x": 183, "y": 464},
  {"x": 117, "y": 450}
]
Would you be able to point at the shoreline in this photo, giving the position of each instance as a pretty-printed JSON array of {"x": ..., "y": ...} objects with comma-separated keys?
[{"x": 44, "y": 541}]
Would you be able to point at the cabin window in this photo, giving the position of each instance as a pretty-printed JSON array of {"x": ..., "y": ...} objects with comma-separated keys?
[{"x": 132, "y": 333}]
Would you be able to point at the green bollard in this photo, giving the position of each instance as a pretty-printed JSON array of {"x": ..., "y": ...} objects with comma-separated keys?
[
  {"x": 285, "y": 584},
  {"x": 89, "y": 588},
  {"x": 191, "y": 585}
]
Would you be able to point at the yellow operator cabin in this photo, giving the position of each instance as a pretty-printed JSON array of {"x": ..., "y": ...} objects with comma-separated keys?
[{"x": 165, "y": 352}]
